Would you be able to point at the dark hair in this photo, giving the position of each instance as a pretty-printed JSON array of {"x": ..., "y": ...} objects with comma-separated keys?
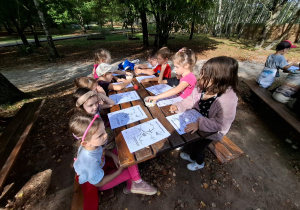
[
  {"x": 283, "y": 45},
  {"x": 222, "y": 72},
  {"x": 152, "y": 54}
]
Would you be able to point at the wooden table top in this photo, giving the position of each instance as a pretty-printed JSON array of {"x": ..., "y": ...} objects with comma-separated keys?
[{"x": 173, "y": 141}]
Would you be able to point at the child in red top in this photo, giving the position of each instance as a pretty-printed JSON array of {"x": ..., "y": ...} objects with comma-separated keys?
[{"x": 163, "y": 55}]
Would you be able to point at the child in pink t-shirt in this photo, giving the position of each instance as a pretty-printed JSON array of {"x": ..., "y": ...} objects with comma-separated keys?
[{"x": 184, "y": 62}]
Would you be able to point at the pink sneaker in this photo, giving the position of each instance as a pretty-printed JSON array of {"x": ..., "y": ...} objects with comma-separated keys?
[{"x": 143, "y": 188}]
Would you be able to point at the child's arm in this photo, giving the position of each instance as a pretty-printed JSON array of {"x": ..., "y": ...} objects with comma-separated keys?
[
  {"x": 182, "y": 85},
  {"x": 161, "y": 74},
  {"x": 108, "y": 102},
  {"x": 149, "y": 79},
  {"x": 120, "y": 86},
  {"x": 119, "y": 72},
  {"x": 145, "y": 71},
  {"x": 108, "y": 178},
  {"x": 288, "y": 66},
  {"x": 141, "y": 66}
]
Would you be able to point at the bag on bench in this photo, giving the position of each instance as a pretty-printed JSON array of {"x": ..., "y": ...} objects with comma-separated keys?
[{"x": 267, "y": 77}]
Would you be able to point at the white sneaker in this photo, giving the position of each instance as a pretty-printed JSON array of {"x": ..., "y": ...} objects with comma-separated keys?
[
  {"x": 194, "y": 166},
  {"x": 185, "y": 156}
]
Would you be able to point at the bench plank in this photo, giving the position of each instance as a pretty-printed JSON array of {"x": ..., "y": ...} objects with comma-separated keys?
[
  {"x": 278, "y": 107},
  {"x": 36, "y": 106}
]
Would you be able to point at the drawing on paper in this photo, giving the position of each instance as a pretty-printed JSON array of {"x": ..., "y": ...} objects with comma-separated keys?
[
  {"x": 145, "y": 134},
  {"x": 126, "y": 116},
  {"x": 159, "y": 89},
  {"x": 144, "y": 77},
  {"x": 179, "y": 121},
  {"x": 125, "y": 97},
  {"x": 168, "y": 101}
]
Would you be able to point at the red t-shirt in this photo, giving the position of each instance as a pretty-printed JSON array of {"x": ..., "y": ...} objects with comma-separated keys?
[{"x": 167, "y": 72}]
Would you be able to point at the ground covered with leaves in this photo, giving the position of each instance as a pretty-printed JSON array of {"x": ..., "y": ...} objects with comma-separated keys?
[{"x": 266, "y": 177}]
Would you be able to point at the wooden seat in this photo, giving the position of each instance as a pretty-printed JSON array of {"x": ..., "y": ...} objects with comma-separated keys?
[
  {"x": 281, "y": 109},
  {"x": 225, "y": 150},
  {"x": 15, "y": 135}
]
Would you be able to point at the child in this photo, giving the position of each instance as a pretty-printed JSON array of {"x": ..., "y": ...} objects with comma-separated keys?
[
  {"x": 216, "y": 100},
  {"x": 98, "y": 166},
  {"x": 163, "y": 56},
  {"x": 87, "y": 82},
  {"x": 90, "y": 101},
  {"x": 104, "y": 72},
  {"x": 275, "y": 62},
  {"x": 152, "y": 62},
  {"x": 184, "y": 62},
  {"x": 103, "y": 56}
]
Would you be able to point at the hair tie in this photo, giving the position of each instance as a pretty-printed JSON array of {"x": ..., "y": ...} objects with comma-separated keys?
[
  {"x": 75, "y": 136},
  {"x": 88, "y": 128},
  {"x": 82, "y": 99},
  {"x": 181, "y": 50}
]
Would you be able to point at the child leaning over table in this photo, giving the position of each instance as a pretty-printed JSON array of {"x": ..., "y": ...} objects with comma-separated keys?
[
  {"x": 103, "y": 56},
  {"x": 98, "y": 166},
  {"x": 215, "y": 98},
  {"x": 152, "y": 62},
  {"x": 184, "y": 62},
  {"x": 163, "y": 56}
]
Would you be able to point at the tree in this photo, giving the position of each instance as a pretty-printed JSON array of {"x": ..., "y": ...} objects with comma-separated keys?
[
  {"x": 10, "y": 93},
  {"x": 274, "y": 10},
  {"x": 53, "y": 51}
]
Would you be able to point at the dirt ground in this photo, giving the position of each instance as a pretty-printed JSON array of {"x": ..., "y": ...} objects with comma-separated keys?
[{"x": 266, "y": 177}]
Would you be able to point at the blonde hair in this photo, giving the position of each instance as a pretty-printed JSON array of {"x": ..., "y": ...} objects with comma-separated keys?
[
  {"x": 102, "y": 56},
  {"x": 79, "y": 123},
  {"x": 164, "y": 52},
  {"x": 185, "y": 56},
  {"x": 85, "y": 82}
]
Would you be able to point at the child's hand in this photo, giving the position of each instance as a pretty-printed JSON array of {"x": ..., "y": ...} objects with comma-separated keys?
[
  {"x": 128, "y": 74},
  {"x": 152, "y": 98},
  {"x": 173, "y": 108},
  {"x": 99, "y": 89},
  {"x": 193, "y": 127},
  {"x": 138, "y": 71}
]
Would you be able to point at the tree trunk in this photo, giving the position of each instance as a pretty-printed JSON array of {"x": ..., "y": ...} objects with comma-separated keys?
[
  {"x": 297, "y": 35},
  {"x": 7, "y": 27},
  {"x": 144, "y": 28},
  {"x": 53, "y": 51},
  {"x": 20, "y": 33},
  {"x": 285, "y": 33},
  {"x": 192, "y": 30},
  {"x": 10, "y": 93},
  {"x": 36, "y": 38},
  {"x": 275, "y": 11}
]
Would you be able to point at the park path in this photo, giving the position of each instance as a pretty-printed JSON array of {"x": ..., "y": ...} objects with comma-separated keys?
[{"x": 36, "y": 78}]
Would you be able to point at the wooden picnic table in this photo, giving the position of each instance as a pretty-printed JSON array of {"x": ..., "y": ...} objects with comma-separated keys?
[{"x": 173, "y": 141}]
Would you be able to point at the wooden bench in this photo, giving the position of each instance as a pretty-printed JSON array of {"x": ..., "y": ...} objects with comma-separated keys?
[
  {"x": 15, "y": 135},
  {"x": 281, "y": 109}
]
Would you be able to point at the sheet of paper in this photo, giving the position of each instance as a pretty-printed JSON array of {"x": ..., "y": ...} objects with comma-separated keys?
[
  {"x": 179, "y": 121},
  {"x": 168, "y": 101},
  {"x": 126, "y": 116},
  {"x": 144, "y": 134},
  {"x": 144, "y": 77},
  {"x": 128, "y": 86},
  {"x": 159, "y": 89},
  {"x": 125, "y": 97},
  {"x": 293, "y": 68}
]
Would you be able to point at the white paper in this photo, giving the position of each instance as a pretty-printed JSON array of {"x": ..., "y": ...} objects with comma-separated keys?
[
  {"x": 126, "y": 116},
  {"x": 125, "y": 97},
  {"x": 293, "y": 68},
  {"x": 144, "y": 134},
  {"x": 168, "y": 101},
  {"x": 128, "y": 86},
  {"x": 159, "y": 89},
  {"x": 144, "y": 77},
  {"x": 179, "y": 121}
]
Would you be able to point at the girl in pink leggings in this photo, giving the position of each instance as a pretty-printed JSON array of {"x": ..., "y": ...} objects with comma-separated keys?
[{"x": 98, "y": 166}]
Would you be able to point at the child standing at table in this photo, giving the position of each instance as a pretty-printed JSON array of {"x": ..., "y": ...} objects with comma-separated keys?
[
  {"x": 99, "y": 166},
  {"x": 184, "y": 62},
  {"x": 216, "y": 100},
  {"x": 163, "y": 55}
]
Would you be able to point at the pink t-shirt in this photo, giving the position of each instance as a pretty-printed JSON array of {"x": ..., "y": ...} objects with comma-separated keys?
[
  {"x": 191, "y": 79},
  {"x": 95, "y": 74}
]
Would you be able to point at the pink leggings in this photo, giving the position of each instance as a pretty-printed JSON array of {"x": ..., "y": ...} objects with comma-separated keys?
[{"x": 128, "y": 174}]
